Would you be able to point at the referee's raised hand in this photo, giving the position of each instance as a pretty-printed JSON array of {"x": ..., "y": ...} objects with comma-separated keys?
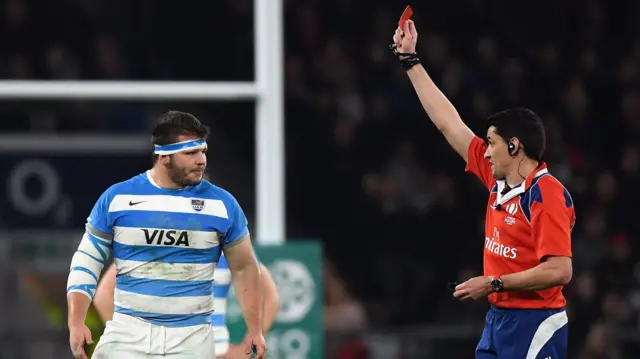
[
  {"x": 79, "y": 335},
  {"x": 407, "y": 38}
]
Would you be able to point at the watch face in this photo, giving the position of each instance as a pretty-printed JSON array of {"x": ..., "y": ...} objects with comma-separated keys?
[{"x": 496, "y": 284}]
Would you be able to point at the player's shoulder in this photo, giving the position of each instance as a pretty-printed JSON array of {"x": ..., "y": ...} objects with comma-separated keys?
[
  {"x": 208, "y": 190},
  {"x": 549, "y": 189},
  {"x": 133, "y": 185}
]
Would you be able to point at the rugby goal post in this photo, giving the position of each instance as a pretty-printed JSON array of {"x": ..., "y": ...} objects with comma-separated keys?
[{"x": 266, "y": 89}]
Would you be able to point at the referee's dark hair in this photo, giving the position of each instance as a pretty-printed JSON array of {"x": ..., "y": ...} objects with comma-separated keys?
[
  {"x": 172, "y": 124},
  {"x": 523, "y": 124}
]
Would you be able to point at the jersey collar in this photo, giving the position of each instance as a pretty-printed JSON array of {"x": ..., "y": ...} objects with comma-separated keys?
[
  {"x": 521, "y": 188},
  {"x": 542, "y": 169},
  {"x": 150, "y": 179}
]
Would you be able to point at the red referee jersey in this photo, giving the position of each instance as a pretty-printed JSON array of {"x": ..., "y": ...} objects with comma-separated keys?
[{"x": 529, "y": 222}]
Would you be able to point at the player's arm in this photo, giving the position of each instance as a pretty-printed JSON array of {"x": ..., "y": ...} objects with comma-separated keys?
[
  {"x": 103, "y": 300},
  {"x": 86, "y": 265},
  {"x": 441, "y": 112},
  {"x": 271, "y": 299},
  {"x": 247, "y": 280},
  {"x": 246, "y": 276},
  {"x": 271, "y": 306},
  {"x": 552, "y": 219}
]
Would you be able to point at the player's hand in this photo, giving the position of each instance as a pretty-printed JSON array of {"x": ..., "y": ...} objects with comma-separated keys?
[
  {"x": 79, "y": 335},
  {"x": 406, "y": 39},
  {"x": 474, "y": 288},
  {"x": 257, "y": 341}
]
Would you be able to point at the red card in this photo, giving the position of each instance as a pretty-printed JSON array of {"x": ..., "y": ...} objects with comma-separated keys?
[{"x": 406, "y": 15}]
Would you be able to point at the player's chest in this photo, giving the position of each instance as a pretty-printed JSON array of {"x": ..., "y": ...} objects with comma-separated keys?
[
  {"x": 169, "y": 221},
  {"x": 162, "y": 221},
  {"x": 169, "y": 212}
]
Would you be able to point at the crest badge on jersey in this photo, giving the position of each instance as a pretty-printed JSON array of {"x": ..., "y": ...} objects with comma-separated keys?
[
  {"x": 512, "y": 209},
  {"x": 197, "y": 204}
]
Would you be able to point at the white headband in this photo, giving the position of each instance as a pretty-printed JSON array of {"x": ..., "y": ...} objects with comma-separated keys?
[{"x": 183, "y": 146}]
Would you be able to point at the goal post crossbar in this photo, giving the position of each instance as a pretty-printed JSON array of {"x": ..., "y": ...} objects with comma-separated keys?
[
  {"x": 267, "y": 90},
  {"x": 128, "y": 90}
]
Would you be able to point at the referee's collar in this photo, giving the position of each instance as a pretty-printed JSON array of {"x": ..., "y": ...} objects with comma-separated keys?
[
  {"x": 521, "y": 188},
  {"x": 540, "y": 170}
]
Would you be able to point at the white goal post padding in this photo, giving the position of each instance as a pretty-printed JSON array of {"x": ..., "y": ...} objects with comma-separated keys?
[{"x": 267, "y": 90}]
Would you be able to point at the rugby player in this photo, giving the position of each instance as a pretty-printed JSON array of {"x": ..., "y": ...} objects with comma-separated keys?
[
  {"x": 166, "y": 228},
  {"x": 103, "y": 303},
  {"x": 529, "y": 219}
]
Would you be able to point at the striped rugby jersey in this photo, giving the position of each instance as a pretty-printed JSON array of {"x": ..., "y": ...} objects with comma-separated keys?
[{"x": 166, "y": 245}]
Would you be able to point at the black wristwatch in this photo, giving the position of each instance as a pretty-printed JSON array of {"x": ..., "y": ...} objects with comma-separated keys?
[{"x": 496, "y": 285}]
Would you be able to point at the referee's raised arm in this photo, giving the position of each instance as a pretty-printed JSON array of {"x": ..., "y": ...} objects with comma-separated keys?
[{"x": 435, "y": 103}]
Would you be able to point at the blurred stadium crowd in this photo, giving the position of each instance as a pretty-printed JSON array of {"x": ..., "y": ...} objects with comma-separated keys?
[{"x": 366, "y": 170}]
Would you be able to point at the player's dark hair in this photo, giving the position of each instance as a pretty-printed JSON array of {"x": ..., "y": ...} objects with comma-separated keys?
[
  {"x": 172, "y": 124},
  {"x": 523, "y": 124}
]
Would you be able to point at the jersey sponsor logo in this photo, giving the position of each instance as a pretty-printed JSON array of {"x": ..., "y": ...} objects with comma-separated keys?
[
  {"x": 493, "y": 245},
  {"x": 166, "y": 237},
  {"x": 197, "y": 204}
]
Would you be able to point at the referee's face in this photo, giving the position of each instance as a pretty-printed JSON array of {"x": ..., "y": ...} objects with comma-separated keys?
[{"x": 497, "y": 154}]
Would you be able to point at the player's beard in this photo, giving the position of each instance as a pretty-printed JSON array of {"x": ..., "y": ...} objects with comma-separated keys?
[{"x": 180, "y": 176}]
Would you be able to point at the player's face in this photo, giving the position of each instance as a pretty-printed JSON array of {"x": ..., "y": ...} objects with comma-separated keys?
[
  {"x": 497, "y": 154},
  {"x": 187, "y": 168}
]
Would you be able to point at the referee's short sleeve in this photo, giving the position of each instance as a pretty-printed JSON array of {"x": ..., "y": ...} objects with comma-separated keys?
[{"x": 477, "y": 164}]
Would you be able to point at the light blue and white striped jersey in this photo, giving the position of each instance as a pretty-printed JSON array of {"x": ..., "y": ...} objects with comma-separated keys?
[
  {"x": 221, "y": 287},
  {"x": 166, "y": 244}
]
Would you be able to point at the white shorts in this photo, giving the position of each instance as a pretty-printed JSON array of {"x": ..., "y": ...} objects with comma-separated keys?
[
  {"x": 221, "y": 335},
  {"x": 127, "y": 337},
  {"x": 221, "y": 349}
]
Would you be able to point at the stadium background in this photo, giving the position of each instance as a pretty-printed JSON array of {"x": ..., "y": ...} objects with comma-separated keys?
[{"x": 366, "y": 173}]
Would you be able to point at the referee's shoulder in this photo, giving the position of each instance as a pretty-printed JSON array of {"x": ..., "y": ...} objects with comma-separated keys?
[{"x": 549, "y": 187}]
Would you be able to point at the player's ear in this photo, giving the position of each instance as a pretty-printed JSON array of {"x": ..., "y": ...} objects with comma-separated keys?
[{"x": 164, "y": 159}]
